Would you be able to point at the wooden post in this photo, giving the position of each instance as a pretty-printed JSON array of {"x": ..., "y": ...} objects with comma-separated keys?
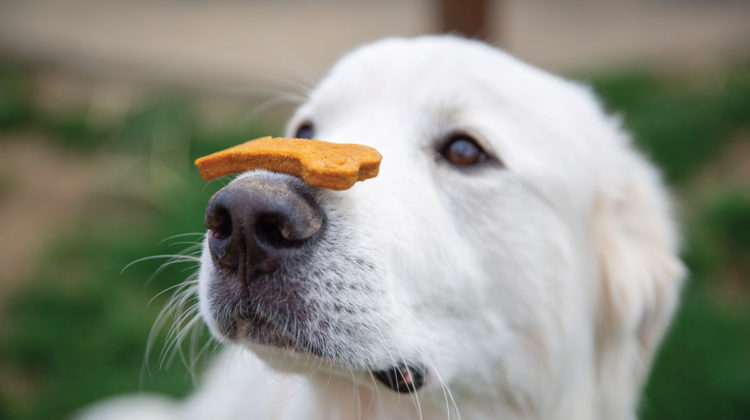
[{"x": 466, "y": 17}]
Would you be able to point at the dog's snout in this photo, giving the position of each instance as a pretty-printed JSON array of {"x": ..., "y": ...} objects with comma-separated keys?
[{"x": 255, "y": 224}]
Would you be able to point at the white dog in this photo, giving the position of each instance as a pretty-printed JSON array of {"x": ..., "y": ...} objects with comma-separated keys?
[{"x": 514, "y": 259}]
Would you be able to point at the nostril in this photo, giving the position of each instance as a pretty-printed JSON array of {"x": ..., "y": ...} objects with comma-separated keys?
[
  {"x": 220, "y": 227},
  {"x": 219, "y": 222},
  {"x": 276, "y": 231}
]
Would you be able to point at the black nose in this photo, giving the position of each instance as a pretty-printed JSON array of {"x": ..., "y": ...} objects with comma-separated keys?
[{"x": 255, "y": 224}]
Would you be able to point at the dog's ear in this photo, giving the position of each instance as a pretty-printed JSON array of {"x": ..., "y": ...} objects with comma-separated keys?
[{"x": 641, "y": 273}]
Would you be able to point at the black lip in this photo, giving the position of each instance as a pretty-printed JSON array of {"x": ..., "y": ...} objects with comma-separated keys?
[{"x": 402, "y": 378}]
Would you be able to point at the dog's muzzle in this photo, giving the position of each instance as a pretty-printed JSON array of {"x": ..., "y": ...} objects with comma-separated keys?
[{"x": 257, "y": 226}]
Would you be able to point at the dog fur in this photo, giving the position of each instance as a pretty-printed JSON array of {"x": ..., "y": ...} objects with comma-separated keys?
[{"x": 537, "y": 285}]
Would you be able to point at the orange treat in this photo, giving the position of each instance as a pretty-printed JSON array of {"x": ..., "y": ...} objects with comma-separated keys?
[{"x": 318, "y": 163}]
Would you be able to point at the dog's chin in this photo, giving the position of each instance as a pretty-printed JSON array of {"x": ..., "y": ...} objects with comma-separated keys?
[
  {"x": 286, "y": 353},
  {"x": 285, "y": 359},
  {"x": 402, "y": 378},
  {"x": 276, "y": 347},
  {"x": 255, "y": 331}
]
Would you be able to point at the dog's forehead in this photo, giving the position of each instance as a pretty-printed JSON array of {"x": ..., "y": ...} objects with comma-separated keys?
[{"x": 432, "y": 70}]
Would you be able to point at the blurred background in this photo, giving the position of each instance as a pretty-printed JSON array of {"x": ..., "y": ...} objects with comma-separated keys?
[{"x": 104, "y": 104}]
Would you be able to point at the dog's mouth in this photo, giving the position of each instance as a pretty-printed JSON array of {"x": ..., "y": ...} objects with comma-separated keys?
[{"x": 404, "y": 378}]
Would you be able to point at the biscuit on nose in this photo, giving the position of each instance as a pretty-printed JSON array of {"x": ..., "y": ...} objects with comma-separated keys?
[{"x": 319, "y": 163}]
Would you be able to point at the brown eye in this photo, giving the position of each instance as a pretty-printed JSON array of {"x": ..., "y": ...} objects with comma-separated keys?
[
  {"x": 462, "y": 150},
  {"x": 305, "y": 131}
]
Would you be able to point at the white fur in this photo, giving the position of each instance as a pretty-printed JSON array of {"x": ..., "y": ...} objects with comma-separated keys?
[{"x": 537, "y": 290}]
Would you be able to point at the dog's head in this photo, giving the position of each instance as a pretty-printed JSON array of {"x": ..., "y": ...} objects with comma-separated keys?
[{"x": 513, "y": 244}]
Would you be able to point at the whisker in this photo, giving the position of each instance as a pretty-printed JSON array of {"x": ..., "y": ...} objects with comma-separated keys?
[
  {"x": 270, "y": 103},
  {"x": 181, "y": 235},
  {"x": 375, "y": 388},
  {"x": 185, "y": 284},
  {"x": 447, "y": 393},
  {"x": 170, "y": 262},
  {"x": 162, "y": 256},
  {"x": 181, "y": 312},
  {"x": 356, "y": 394},
  {"x": 180, "y": 243}
]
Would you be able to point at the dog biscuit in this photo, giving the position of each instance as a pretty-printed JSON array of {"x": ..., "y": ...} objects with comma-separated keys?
[{"x": 318, "y": 163}]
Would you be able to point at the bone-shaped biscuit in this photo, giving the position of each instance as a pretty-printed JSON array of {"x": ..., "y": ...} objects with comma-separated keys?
[{"x": 318, "y": 163}]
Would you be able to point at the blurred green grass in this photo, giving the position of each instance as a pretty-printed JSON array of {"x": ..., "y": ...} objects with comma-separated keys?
[
  {"x": 680, "y": 124},
  {"x": 77, "y": 331}
]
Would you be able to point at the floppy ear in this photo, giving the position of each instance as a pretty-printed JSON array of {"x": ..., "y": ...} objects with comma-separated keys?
[{"x": 640, "y": 271}]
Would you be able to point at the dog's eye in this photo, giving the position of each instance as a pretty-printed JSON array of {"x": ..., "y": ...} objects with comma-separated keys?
[
  {"x": 462, "y": 150},
  {"x": 306, "y": 130}
]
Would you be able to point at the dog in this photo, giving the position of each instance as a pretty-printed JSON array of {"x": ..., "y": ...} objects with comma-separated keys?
[{"x": 516, "y": 257}]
